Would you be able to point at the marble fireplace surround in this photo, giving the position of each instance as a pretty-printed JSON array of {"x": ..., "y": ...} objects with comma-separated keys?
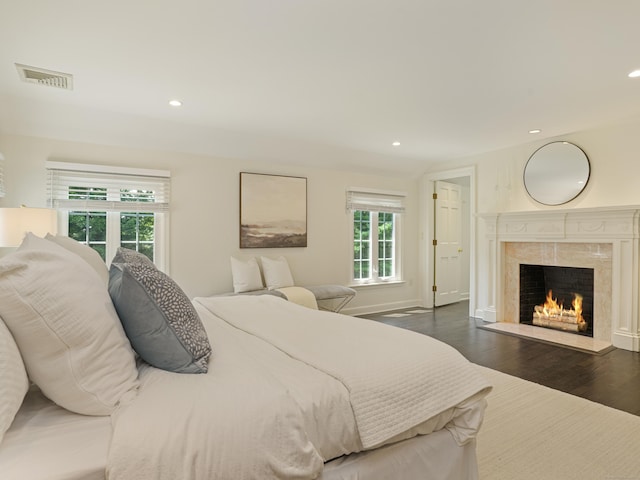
[{"x": 606, "y": 239}]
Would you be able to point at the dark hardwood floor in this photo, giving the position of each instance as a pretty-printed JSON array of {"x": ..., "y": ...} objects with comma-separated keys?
[{"x": 612, "y": 379}]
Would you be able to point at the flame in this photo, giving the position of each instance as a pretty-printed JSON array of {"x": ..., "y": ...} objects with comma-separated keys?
[
  {"x": 551, "y": 304},
  {"x": 577, "y": 307},
  {"x": 552, "y": 308}
]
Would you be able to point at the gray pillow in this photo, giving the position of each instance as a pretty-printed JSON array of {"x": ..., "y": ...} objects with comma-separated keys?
[
  {"x": 126, "y": 255},
  {"x": 158, "y": 318}
]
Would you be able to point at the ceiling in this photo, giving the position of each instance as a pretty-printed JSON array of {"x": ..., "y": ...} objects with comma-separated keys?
[{"x": 320, "y": 82}]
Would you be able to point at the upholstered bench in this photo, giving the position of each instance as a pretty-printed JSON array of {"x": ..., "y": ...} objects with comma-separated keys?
[
  {"x": 247, "y": 280},
  {"x": 332, "y": 298}
]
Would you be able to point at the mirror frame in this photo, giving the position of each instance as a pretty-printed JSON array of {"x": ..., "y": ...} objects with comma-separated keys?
[{"x": 560, "y": 169}]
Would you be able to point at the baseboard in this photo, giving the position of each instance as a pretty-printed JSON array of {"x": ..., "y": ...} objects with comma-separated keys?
[
  {"x": 381, "y": 307},
  {"x": 488, "y": 315},
  {"x": 626, "y": 341}
]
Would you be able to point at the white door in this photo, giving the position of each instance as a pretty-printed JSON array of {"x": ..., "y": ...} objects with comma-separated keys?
[{"x": 448, "y": 243}]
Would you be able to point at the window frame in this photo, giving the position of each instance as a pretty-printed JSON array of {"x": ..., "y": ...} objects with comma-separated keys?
[
  {"x": 376, "y": 202},
  {"x": 113, "y": 206}
]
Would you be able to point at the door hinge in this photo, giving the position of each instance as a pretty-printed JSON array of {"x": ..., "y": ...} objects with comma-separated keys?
[
  {"x": 435, "y": 196},
  {"x": 435, "y": 242},
  {"x": 434, "y": 288}
]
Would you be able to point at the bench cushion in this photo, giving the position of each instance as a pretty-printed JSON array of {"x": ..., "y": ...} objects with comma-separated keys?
[{"x": 328, "y": 292}]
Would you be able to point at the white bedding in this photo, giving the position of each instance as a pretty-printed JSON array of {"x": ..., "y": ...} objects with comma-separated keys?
[
  {"x": 70, "y": 446},
  {"x": 244, "y": 404},
  {"x": 258, "y": 397},
  {"x": 434, "y": 457},
  {"x": 396, "y": 378},
  {"x": 46, "y": 441}
]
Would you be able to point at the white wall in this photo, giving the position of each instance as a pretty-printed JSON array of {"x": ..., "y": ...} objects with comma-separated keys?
[
  {"x": 205, "y": 214},
  {"x": 614, "y": 154}
]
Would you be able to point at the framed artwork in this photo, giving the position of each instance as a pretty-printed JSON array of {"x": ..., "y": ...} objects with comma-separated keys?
[{"x": 273, "y": 211}]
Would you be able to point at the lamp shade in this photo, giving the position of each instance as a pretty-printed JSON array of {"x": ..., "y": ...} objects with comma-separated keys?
[{"x": 16, "y": 222}]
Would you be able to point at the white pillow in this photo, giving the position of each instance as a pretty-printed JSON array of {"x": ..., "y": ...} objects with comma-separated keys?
[
  {"x": 13, "y": 380},
  {"x": 62, "y": 319},
  {"x": 276, "y": 273},
  {"x": 87, "y": 253},
  {"x": 246, "y": 275}
]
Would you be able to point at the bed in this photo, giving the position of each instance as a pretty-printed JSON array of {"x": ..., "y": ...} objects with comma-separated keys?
[{"x": 239, "y": 387}]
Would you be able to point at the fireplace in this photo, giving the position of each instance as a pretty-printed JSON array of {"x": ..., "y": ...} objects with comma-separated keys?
[
  {"x": 557, "y": 297},
  {"x": 603, "y": 240}
]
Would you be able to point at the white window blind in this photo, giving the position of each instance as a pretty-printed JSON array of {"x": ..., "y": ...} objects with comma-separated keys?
[
  {"x": 375, "y": 201},
  {"x": 80, "y": 187}
]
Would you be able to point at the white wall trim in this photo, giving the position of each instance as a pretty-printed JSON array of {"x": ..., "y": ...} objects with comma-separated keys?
[{"x": 381, "y": 307}]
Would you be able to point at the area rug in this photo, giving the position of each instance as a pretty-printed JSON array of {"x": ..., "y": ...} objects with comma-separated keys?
[{"x": 532, "y": 432}]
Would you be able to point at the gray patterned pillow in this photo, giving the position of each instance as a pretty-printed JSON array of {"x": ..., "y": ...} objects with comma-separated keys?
[
  {"x": 158, "y": 318},
  {"x": 126, "y": 255}
]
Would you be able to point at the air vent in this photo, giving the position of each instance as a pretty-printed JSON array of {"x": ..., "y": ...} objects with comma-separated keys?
[{"x": 42, "y": 76}]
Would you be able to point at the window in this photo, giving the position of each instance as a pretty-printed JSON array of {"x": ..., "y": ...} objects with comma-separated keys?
[
  {"x": 111, "y": 207},
  {"x": 376, "y": 234}
]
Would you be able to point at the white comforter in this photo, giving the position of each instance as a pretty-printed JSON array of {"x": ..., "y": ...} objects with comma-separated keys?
[{"x": 289, "y": 388}]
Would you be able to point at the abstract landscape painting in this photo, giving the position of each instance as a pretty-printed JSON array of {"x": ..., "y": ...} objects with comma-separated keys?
[{"x": 273, "y": 211}]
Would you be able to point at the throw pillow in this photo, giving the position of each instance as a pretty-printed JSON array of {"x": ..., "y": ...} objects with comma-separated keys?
[
  {"x": 160, "y": 321},
  {"x": 66, "y": 328},
  {"x": 246, "y": 275},
  {"x": 126, "y": 255},
  {"x": 276, "y": 273},
  {"x": 13, "y": 381}
]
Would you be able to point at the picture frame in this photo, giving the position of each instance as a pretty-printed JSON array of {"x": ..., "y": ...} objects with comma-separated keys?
[{"x": 273, "y": 211}]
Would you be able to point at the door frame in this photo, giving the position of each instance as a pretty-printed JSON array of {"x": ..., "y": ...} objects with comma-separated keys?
[{"x": 426, "y": 226}]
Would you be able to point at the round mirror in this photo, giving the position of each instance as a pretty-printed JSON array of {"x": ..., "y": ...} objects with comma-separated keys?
[{"x": 556, "y": 173}]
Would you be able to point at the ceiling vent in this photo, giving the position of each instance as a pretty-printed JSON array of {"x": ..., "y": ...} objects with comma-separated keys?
[{"x": 42, "y": 76}]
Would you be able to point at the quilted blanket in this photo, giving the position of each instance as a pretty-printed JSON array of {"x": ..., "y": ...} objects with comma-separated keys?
[{"x": 397, "y": 379}]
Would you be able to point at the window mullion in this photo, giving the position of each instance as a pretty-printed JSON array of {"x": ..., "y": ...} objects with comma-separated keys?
[
  {"x": 63, "y": 222},
  {"x": 113, "y": 226},
  {"x": 397, "y": 270},
  {"x": 375, "y": 274},
  {"x": 160, "y": 232},
  {"x": 113, "y": 235}
]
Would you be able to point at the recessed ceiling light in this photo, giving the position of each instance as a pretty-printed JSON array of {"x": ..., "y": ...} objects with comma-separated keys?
[
  {"x": 396, "y": 144},
  {"x": 635, "y": 74},
  {"x": 175, "y": 103},
  {"x": 535, "y": 130}
]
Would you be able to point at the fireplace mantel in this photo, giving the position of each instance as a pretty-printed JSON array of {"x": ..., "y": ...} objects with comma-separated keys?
[
  {"x": 617, "y": 227},
  {"x": 565, "y": 225}
]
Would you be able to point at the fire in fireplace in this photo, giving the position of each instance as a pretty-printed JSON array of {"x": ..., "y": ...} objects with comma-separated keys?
[
  {"x": 557, "y": 297},
  {"x": 553, "y": 314}
]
